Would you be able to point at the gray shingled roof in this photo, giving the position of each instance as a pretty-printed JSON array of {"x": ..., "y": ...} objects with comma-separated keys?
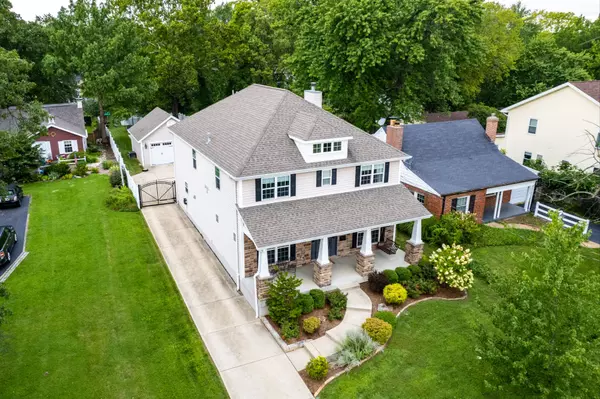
[
  {"x": 148, "y": 123},
  {"x": 294, "y": 221},
  {"x": 247, "y": 133},
  {"x": 66, "y": 116},
  {"x": 457, "y": 156}
]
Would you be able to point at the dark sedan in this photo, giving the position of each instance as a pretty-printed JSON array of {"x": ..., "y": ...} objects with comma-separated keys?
[
  {"x": 11, "y": 195},
  {"x": 8, "y": 239}
]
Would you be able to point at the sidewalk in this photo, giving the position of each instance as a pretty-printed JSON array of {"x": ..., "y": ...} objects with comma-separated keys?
[{"x": 250, "y": 362}]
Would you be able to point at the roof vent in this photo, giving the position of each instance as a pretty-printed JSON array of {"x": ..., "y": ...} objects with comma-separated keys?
[{"x": 207, "y": 138}]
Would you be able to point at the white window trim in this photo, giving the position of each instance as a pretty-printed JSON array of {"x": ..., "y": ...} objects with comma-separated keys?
[
  {"x": 467, "y": 203},
  {"x": 377, "y": 240},
  {"x": 360, "y": 240},
  {"x": 217, "y": 178},
  {"x": 276, "y": 257},
  {"x": 416, "y": 194},
  {"x": 372, "y": 173},
  {"x": 330, "y": 177},
  {"x": 275, "y": 188},
  {"x": 334, "y": 143},
  {"x": 317, "y": 148},
  {"x": 329, "y": 144},
  {"x": 537, "y": 122},
  {"x": 194, "y": 162},
  {"x": 525, "y": 158}
]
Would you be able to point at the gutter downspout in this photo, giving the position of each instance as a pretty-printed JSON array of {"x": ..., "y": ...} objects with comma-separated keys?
[{"x": 237, "y": 243}]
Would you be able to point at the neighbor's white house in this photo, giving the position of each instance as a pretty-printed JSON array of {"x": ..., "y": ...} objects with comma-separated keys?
[
  {"x": 275, "y": 183},
  {"x": 151, "y": 139},
  {"x": 560, "y": 124}
]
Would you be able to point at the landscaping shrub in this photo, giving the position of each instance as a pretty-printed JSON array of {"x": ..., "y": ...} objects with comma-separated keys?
[
  {"x": 77, "y": 154},
  {"x": 378, "y": 329},
  {"x": 429, "y": 287},
  {"x": 91, "y": 159},
  {"x": 121, "y": 199},
  {"x": 57, "y": 169},
  {"x": 282, "y": 299},
  {"x": 337, "y": 299},
  {"x": 356, "y": 346},
  {"x": 391, "y": 276},
  {"x": 68, "y": 176},
  {"x": 452, "y": 264},
  {"x": 106, "y": 164},
  {"x": 377, "y": 282},
  {"x": 454, "y": 227},
  {"x": 394, "y": 294},
  {"x": 403, "y": 274},
  {"x": 413, "y": 289},
  {"x": 427, "y": 269},
  {"x": 335, "y": 314},
  {"x": 386, "y": 316},
  {"x": 317, "y": 368},
  {"x": 290, "y": 329},
  {"x": 115, "y": 176},
  {"x": 80, "y": 170},
  {"x": 415, "y": 270},
  {"x": 95, "y": 171},
  {"x": 311, "y": 324},
  {"x": 318, "y": 297},
  {"x": 93, "y": 149},
  {"x": 307, "y": 302},
  {"x": 482, "y": 270}
]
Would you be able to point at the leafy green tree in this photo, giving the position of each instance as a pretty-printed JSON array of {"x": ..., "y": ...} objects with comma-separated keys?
[
  {"x": 19, "y": 157},
  {"x": 544, "y": 335},
  {"x": 481, "y": 112},
  {"x": 283, "y": 301}
]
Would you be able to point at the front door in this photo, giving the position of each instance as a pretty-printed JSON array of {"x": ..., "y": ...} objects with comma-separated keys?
[{"x": 332, "y": 244}]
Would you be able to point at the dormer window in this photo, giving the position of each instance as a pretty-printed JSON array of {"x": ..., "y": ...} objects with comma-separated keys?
[
  {"x": 337, "y": 146},
  {"x": 317, "y": 148},
  {"x": 326, "y": 147}
]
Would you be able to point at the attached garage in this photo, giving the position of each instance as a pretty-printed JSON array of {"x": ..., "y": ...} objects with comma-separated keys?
[
  {"x": 161, "y": 152},
  {"x": 151, "y": 139}
]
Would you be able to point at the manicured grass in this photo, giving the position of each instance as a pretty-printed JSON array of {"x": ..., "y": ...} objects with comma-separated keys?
[
  {"x": 123, "y": 141},
  {"x": 96, "y": 313},
  {"x": 432, "y": 351}
]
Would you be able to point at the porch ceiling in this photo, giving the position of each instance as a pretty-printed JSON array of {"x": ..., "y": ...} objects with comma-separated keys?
[{"x": 305, "y": 219}]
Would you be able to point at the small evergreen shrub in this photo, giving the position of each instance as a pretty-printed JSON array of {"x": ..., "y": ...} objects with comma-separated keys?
[
  {"x": 317, "y": 368},
  {"x": 121, "y": 199},
  {"x": 335, "y": 314},
  {"x": 429, "y": 287},
  {"x": 386, "y": 316},
  {"x": 57, "y": 169},
  {"x": 377, "y": 282},
  {"x": 107, "y": 164},
  {"x": 394, "y": 294},
  {"x": 115, "y": 176},
  {"x": 80, "y": 170},
  {"x": 318, "y": 297},
  {"x": 391, "y": 276},
  {"x": 95, "y": 171},
  {"x": 337, "y": 299},
  {"x": 311, "y": 324},
  {"x": 379, "y": 330},
  {"x": 415, "y": 270},
  {"x": 68, "y": 176},
  {"x": 290, "y": 329},
  {"x": 282, "y": 299},
  {"x": 403, "y": 274},
  {"x": 307, "y": 302},
  {"x": 412, "y": 289},
  {"x": 356, "y": 346},
  {"x": 427, "y": 269}
]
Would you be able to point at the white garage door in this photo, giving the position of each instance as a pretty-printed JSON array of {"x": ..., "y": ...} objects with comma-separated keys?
[
  {"x": 161, "y": 153},
  {"x": 518, "y": 196}
]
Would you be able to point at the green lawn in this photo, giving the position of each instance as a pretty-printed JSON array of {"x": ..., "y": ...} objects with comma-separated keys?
[
  {"x": 432, "y": 351},
  {"x": 96, "y": 313},
  {"x": 123, "y": 141}
]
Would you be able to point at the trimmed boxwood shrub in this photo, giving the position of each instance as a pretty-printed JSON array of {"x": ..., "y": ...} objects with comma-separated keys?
[
  {"x": 391, "y": 276},
  {"x": 307, "y": 302},
  {"x": 290, "y": 329},
  {"x": 427, "y": 269},
  {"x": 394, "y": 294},
  {"x": 318, "y": 298},
  {"x": 415, "y": 270},
  {"x": 337, "y": 299},
  {"x": 317, "y": 368},
  {"x": 311, "y": 324},
  {"x": 386, "y": 316},
  {"x": 377, "y": 282},
  {"x": 378, "y": 329},
  {"x": 335, "y": 314},
  {"x": 403, "y": 274}
]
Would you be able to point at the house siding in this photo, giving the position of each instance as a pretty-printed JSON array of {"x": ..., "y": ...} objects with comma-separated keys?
[
  {"x": 61, "y": 135},
  {"x": 438, "y": 206},
  {"x": 160, "y": 135}
]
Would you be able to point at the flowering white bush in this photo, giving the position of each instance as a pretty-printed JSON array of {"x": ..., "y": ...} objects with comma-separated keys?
[{"x": 451, "y": 264}]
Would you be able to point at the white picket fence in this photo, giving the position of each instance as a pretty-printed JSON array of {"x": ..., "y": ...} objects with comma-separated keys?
[
  {"x": 124, "y": 172},
  {"x": 569, "y": 220}
]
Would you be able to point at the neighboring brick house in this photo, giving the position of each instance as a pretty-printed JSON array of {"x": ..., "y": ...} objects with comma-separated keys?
[
  {"x": 275, "y": 183},
  {"x": 455, "y": 166}
]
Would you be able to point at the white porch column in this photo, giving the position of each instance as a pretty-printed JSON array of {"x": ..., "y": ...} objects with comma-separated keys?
[
  {"x": 498, "y": 205},
  {"x": 415, "y": 238},
  {"x": 323, "y": 258},
  {"x": 529, "y": 197},
  {"x": 366, "y": 248},
  {"x": 263, "y": 264}
]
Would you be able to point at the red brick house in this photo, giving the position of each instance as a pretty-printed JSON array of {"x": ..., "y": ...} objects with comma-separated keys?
[{"x": 455, "y": 166}]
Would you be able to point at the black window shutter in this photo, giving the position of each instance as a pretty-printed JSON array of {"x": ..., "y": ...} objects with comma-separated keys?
[
  {"x": 319, "y": 178},
  {"x": 293, "y": 252},
  {"x": 293, "y": 185},
  {"x": 386, "y": 176},
  {"x": 453, "y": 205},
  {"x": 333, "y": 177},
  {"x": 472, "y": 203},
  {"x": 257, "y": 186},
  {"x": 357, "y": 177},
  {"x": 354, "y": 239},
  {"x": 382, "y": 234}
]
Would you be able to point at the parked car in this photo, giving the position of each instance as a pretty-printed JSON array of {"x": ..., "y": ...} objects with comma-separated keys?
[
  {"x": 13, "y": 195},
  {"x": 8, "y": 239}
]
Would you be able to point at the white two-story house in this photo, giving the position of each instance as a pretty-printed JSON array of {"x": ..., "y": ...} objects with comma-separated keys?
[{"x": 275, "y": 183}]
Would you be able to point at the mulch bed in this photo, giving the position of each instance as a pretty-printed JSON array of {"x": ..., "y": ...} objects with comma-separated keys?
[
  {"x": 376, "y": 299},
  {"x": 314, "y": 385},
  {"x": 325, "y": 325}
]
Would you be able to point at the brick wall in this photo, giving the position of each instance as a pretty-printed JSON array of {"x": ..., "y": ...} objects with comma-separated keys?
[
  {"x": 506, "y": 196},
  {"x": 345, "y": 247},
  {"x": 303, "y": 253},
  {"x": 433, "y": 203}
]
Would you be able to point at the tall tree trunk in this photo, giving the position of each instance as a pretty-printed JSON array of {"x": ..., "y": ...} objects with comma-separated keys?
[
  {"x": 175, "y": 107},
  {"x": 102, "y": 122}
]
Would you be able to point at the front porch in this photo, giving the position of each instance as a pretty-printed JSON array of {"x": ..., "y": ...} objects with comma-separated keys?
[
  {"x": 507, "y": 210},
  {"x": 498, "y": 201}
]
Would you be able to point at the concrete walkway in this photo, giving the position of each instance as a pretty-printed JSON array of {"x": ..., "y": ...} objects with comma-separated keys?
[
  {"x": 251, "y": 363},
  {"x": 357, "y": 311}
]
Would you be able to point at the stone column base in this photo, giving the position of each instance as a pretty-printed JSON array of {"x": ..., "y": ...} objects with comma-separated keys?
[
  {"x": 322, "y": 274},
  {"x": 262, "y": 287},
  {"x": 413, "y": 253},
  {"x": 365, "y": 264}
]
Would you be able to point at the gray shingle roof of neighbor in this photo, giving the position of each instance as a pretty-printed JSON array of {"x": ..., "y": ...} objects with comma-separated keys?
[
  {"x": 457, "y": 156},
  {"x": 246, "y": 133},
  {"x": 296, "y": 220},
  {"x": 148, "y": 123},
  {"x": 66, "y": 116}
]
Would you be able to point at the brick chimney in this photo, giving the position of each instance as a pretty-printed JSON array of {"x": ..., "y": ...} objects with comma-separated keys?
[
  {"x": 395, "y": 134},
  {"x": 491, "y": 127}
]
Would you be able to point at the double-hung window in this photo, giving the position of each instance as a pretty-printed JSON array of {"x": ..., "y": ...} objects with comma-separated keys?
[
  {"x": 366, "y": 173},
  {"x": 526, "y": 157},
  {"x": 462, "y": 204},
  {"x": 337, "y": 146},
  {"x": 68, "y": 146},
  {"x": 278, "y": 255},
  {"x": 268, "y": 187},
  {"x": 532, "y": 126},
  {"x": 374, "y": 236},
  {"x": 326, "y": 147},
  {"x": 217, "y": 178},
  {"x": 194, "y": 158},
  {"x": 420, "y": 198},
  {"x": 326, "y": 177},
  {"x": 378, "y": 169},
  {"x": 283, "y": 186},
  {"x": 359, "y": 239},
  {"x": 274, "y": 187},
  {"x": 317, "y": 148}
]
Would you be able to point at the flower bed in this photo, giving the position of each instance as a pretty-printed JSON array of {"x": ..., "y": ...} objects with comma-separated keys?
[{"x": 321, "y": 314}]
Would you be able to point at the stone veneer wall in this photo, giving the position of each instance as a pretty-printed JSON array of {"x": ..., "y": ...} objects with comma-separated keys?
[{"x": 250, "y": 257}]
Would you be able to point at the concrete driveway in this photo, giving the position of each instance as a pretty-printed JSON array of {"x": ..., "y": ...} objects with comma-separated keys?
[
  {"x": 251, "y": 363},
  {"x": 17, "y": 217}
]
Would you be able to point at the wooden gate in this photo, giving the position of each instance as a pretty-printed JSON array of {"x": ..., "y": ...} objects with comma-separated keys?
[{"x": 158, "y": 192}]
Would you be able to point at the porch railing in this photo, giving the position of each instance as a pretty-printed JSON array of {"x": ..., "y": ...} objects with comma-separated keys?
[
  {"x": 288, "y": 266},
  {"x": 569, "y": 220}
]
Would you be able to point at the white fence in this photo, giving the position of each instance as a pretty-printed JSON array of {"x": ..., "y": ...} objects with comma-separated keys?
[
  {"x": 125, "y": 175},
  {"x": 569, "y": 220}
]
